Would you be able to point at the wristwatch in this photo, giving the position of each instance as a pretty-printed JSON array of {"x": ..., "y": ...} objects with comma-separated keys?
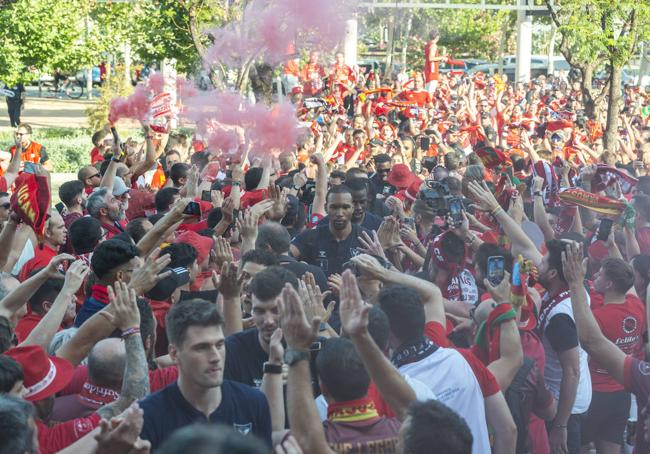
[
  {"x": 538, "y": 194},
  {"x": 272, "y": 368},
  {"x": 292, "y": 356}
]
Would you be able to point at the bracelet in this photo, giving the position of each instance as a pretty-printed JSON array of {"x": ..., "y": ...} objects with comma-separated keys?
[
  {"x": 130, "y": 331},
  {"x": 269, "y": 368},
  {"x": 496, "y": 210},
  {"x": 538, "y": 194},
  {"x": 236, "y": 183},
  {"x": 560, "y": 426}
]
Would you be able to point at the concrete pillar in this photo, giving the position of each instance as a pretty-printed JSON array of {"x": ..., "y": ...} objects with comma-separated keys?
[
  {"x": 350, "y": 43},
  {"x": 524, "y": 44}
]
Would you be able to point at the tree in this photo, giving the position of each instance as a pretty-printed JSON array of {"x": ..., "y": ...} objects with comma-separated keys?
[{"x": 595, "y": 31}]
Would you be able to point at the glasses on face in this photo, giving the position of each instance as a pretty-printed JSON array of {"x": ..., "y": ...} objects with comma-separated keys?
[
  {"x": 93, "y": 176},
  {"x": 6, "y": 206},
  {"x": 383, "y": 170}
]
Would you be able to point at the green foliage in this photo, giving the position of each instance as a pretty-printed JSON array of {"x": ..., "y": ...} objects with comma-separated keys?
[{"x": 112, "y": 88}]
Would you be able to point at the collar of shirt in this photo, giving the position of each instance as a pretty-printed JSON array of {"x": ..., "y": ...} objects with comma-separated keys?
[
  {"x": 352, "y": 410},
  {"x": 100, "y": 293}
]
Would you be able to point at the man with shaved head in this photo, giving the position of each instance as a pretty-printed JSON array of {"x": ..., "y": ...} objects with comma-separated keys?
[{"x": 106, "y": 363}]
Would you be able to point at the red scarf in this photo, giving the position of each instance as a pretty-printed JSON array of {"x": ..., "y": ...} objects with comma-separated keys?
[
  {"x": 547, "y": 307},
  {"x": 352, "y": 410},
  {"x": 97, "y": 396},
  {"x": 100, "y": 293}
]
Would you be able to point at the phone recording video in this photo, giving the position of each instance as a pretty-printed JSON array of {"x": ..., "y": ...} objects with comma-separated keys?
[
  {"x": 496, "y": 266},
  {"x": 456, "y": 211},
  {"x": 604, "y": 229},
  {"x": 193, "y": 209}
]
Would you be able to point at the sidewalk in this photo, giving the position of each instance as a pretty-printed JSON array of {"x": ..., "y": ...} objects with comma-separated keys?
[{"x": 50, "y": 113}]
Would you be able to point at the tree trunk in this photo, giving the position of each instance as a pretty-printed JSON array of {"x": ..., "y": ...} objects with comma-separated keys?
[
  {"x": 585, "y": 85},
  {"x": 390, "y": 47},
  {"x": 407, "y": 36},
  {"x": 613, "y": 108}
]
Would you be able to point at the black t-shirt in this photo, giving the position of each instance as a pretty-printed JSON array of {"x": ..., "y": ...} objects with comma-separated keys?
[
  {"x": 300, "y": 268},
  {"x": 370, "y": 221},
  {"x": 13, "y": 94},
  {"x": 242, "y": 407},
  {"x": 319, "y": 247},
  {"x": 562, "y": 333},
  {"x": 245, "y": 358}
]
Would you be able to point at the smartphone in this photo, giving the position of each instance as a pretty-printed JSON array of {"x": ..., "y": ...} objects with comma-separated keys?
[
  {"x": 425, "y": 143},
  {"x": 116, "y": 137},
  {"x": 206, "y": 196},
  {"x": 193, "y": 209},
  {"x": 456, "y": 211},
  {"x": 30, "y": 167},
  {"x": 604, "y": 229},
  {"x": 409, "y": 222},
  {"x": 496, "y": 266}
]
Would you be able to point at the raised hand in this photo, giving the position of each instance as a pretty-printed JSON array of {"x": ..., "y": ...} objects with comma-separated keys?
[
  {"x": 76, "y": 275},
  {"x": 371, "y": 245},
  {"x": 147, "y": 276},
  {"x": 572, "y": 258},
  {"x": 52, "y": 268},
  {"x": 312, "y": 298},
  {"x": 228, "y": 209},
  {"x": 299, "y": 333},
  {"x": 230, "y": 284},
  {"x": 501, "y": 292},
  {"x": 352, "y": 310},
  {"x": 247, "y": 224},
  {"x": 121, "y": 433},
  {"x": 276, "y": 350},
  {"x": 124, "y": 302},
  {"x": 222, "y": 252},
  {"x": 279, "y": 207},
  {"x": 388, "y": 234},
  {"x": 334, "y": 282},
  {"x": 482, "y": 196},
  {"x": 369, "y": 266}
]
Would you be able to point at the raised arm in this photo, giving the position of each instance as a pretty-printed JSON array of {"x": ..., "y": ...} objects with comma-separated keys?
[
  {"x": 12, "y": 169},
  {"x": 354, "y": 321},
  {"x": 230, "y": 288},
  {"x": 139, "y": 168},
  {"x": 152, "y": 238},
  {"x": 7, "y": 236},
  {"x": 135, "y": 384},
  {"x": 272, "y": 382},
  {"x": 318, "y": 205},
  {"x": 539, "y": 210},
  {"x": 592, "y": 339},
  {"x": 47, "y": 327},
  {"x": 299, "y": 335}
]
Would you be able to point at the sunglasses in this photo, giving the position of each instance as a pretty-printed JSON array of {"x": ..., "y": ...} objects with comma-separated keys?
[
  {"x": 93, "y": 176},
  {"x": 6, "y": 206},
  {"x": 383, "y": 170}
]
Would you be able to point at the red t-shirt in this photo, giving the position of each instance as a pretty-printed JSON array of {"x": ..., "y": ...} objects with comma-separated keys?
[
  {"x": 40, "y": 260},
  {"x": 624, "y": 325},
  {"x": 95, "y": 156},
  {"x": 26, "y": 325},
  {"x": 636, "y": 378},
  {"x": 54, "y": 439},
  {"x": 250, "y": 198},
  {"x": 419, "y": 97},
  {"x": 3, "y": 184},
  {"x": 643, "y": 238}
]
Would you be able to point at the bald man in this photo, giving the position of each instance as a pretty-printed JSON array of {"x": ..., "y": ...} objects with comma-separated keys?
[
  {"x": 90, "y": 177},
  {"x": 106, "y": 362}
]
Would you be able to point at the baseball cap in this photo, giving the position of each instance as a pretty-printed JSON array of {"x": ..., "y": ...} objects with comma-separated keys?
[
  {"x": 164, "y": 289},
  {"x": 119, "y": 188}
]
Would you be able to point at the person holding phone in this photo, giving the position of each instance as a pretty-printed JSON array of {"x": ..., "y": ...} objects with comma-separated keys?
[{"x": 30, "y": 150}]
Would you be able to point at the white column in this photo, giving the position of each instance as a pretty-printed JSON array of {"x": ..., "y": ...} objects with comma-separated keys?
[
  {"x": 350, "y": 43},
  {"x": 524, "y": 44},
  {"x": 168, "y": 69}
]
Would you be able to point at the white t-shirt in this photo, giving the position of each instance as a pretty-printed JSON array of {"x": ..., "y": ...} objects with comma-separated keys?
[
  {"x": 553, "y": 368},
  {"x": 451, "y": 379},
  {"x": 422, "y": 393}
]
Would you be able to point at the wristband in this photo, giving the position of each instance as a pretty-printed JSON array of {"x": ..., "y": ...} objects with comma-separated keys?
[
  {"x": 236, "y": 183},
  {"x": 560, "y": 426},
  {"x": 130, "y": 331},
  {"x": 538, "y": 194},
  {"x": 272, "y": 368},
  {"x": 496, "y": 210}
]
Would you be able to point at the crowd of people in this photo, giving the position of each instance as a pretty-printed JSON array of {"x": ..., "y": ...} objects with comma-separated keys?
[{"x": 445, "y": 263}]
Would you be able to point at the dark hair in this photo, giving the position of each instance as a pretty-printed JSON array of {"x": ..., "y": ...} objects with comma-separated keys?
[
  {"x": 85, "y": 234},
  {"x": 336, "y": 355},
  {"x": 487, "y": 250},
  {"x": 178, "y": 171},
  {"x": 642, "y": 205},
  {"x": 135, "y": 228},
  {"x": 199, "y": 159},
  {"x": 619, "y": 272},
  {"x": 355, "y": 172},
  {"x": 209, "y": 439},
  {"x": 11, "y": 372},
  {"x": 26, "y": 126},
  {"x": 194, "y": 312},
  {"x": 6, "y": 334},
  {"x": 110, "y": 255},
  {"x": 123, "y": 236},
  {"x": 403, "y": 307},
  {"x": 155, "y": 217},
  {"x": 16, "y": 432},
  {"x": 98, "y": 136},
  {"x": 164, "y": 199},
  {"x": 4, "y": 194},
  {"x": 453, "y": 248},
  {"x": 434, "y": 428},
  {"x": 643, "y": 185},
  {"x": 252, "y": 178},
  {"x": 339, "y": 189},
  {"x": 381, "y": 158},
  {"x": 337, "y": 174},
  {"x": 48, "y": 291},
  {"x": 259, "y": 256},
  {"x": 357, "y": 184},
  {"x": 641, "y": 264},
  {"x": 378, "y": 327},
  {"x": 69, "y": 191},
  {"x": 555, "y": 249},
  {"x": 214, "y": 217},
  {"x": 182, "y": 254},
  {"x": 273, "y": 236},
  {"x": 451, "y": 161},
  {"x": 268, "y": 283}
]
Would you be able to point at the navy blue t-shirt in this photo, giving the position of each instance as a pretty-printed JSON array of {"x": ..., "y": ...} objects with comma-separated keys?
[
  {"x": 242, "y": 407},
  {"x": 319, "y": 247},
  {"x": 245, "y": 358},
  {"x": 370, "y": 221}
]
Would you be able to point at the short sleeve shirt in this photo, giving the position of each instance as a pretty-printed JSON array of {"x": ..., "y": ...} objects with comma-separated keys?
[
  {"x": 319, "y": 247},
  {"x": 636, "y": 378},
  {"x": 242, "y": 407},
  {"x": 245, "y": 358}
]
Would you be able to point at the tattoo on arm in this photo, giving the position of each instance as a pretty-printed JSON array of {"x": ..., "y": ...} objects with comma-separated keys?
[{"x": 135, "y": 384}]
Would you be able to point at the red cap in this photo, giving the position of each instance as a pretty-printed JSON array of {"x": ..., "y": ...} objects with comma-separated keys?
[
  {"x": 43, "y": 375},
  {"x": 201, "y": 243},
  {"x": 401, "y": 176},
  {"x": 297, "y": 90}
]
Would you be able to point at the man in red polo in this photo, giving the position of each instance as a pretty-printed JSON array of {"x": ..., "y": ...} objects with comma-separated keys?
[{"x": 54, "y": 236}]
